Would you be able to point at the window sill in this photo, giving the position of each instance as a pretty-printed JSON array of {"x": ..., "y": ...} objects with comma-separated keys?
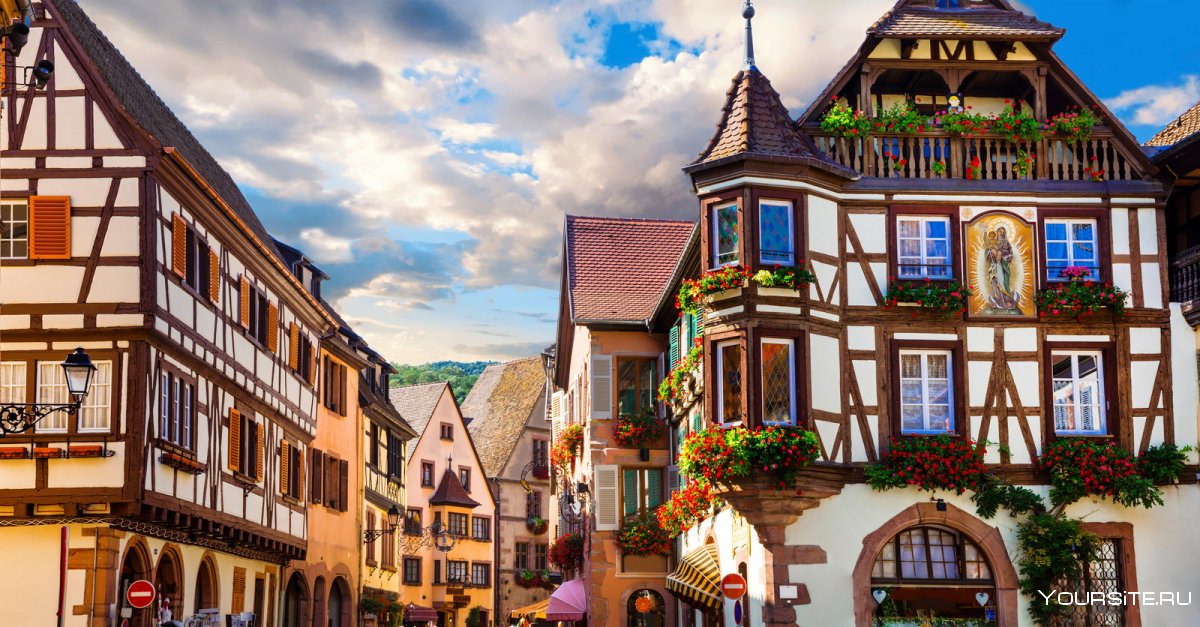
[
  {"x": 1085, "y": 436},
  {"x": 388, "y": 568},
  {"x": 182, "y": 462},
  {"x": 287, "y": 498},
  {"x": 371, "y": 563}
]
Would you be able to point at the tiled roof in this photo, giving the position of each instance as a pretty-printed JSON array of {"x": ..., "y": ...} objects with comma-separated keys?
[
  {"x": 498, "y": 407},
  {"x": 450, "y": 491},
  {"x": 972, "y": 23},
  {"x": 416, "y": 403},
  {"x": 1183, "y": 127},
  {"x": 153, "y": 115},
  {"x": 754, "y": 122},
  {"x": 618, "y": 267}
]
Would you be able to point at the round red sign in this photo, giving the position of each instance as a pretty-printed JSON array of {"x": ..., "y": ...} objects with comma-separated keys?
[
  {"x": 140, "y": 594},
  {"x": 733, "y": 586}
]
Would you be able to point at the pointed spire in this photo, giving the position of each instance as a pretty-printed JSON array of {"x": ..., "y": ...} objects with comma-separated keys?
[{"x": 748, "y": 13}]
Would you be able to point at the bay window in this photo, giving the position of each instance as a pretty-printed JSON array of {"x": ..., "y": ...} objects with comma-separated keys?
[
  {"x": 1077, "y": 390},
  {"x": 729, "y": 384},
  {"x": 776, "y": 233},
  {"x": 778, "y": 372},
  {"x": 926, "y": 392},
  {"x": 725, "y": 235}
]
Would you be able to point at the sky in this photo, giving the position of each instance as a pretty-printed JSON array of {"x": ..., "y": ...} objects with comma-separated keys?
[{"x": 424, "y": 152}]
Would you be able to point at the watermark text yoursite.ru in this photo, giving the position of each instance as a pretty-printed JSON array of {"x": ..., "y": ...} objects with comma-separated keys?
[{"x": 1117, "y": 598}]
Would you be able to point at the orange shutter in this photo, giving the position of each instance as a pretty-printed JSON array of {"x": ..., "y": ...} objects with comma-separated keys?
[
  {"x": 235, "y": 439},
  {"x": 245, "y": 304},
  {"x": 312, "y": 368},
  {"x": 239, "y": 589},
  {"x": 258, "y": 460},
  {"x": 294, "y": 346},
  {"x": 214, "y": 277},
  {"x": 50, "y": 227},
  {"x": 299, "y": 471},
  {"x": 272, "y": 328},
  {"x": 284, "y": 458},
  {"x": 178, "y": 245}
]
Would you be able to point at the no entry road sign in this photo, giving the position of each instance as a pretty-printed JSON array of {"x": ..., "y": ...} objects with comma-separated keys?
[{"x": 140, "y": 594}]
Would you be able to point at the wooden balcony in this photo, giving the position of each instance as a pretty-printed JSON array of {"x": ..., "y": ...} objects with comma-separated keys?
[
  {"x": 1055, "y": 160},
  {"x": 1185, "y": 283}
]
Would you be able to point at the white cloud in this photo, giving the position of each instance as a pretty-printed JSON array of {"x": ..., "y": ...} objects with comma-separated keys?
[
  {"x": 1156, "y": 105},
  {"x": 325, "y": 248},
  {"x": 464, "y": 132}
]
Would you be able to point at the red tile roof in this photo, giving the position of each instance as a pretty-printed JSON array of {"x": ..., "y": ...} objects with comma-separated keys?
[
  {"x": 1183, "y": 127},
  {"x": 618, "y": 267},
  {"x": 451, "y": 492},
  {"x": 970, "y": 23}
]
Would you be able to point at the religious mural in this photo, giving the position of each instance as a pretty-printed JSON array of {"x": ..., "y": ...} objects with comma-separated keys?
[{"x": 1000, "y": 264}]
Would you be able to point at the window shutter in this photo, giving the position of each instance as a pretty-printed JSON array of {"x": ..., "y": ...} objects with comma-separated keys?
[
  {"x": 312, "y": 367},
  {"x": 556, "y": 413},
  {"x": 285, "y": 458},
  {"x": 272, "y": 327},
  {"x": 50, "y": 227},
  {"x": 214, "y": 276},
  {"x": 673, "y": 348},
  {"x": 244, "y": 293},
  {"x": 371, "y": 542},
  {"x": 300, "y": 475},
  {"x": 342, "y": 390},
  {"x": 293, "y": 346},
  {"x": 344, "y": 485},
  {"x": 630, "y": 491},
  {"x": 318, "y": 460},
  {"x": 178, "y": 245},
  {"x": 239, "y": 589},
  {"x": 330, "y": 482},
  {"x": 672, "y": 480},
  {"x": 601, "y": 388},
  {"x": 235, "y": 439},
  {"x": 607, "y": 497},
  {"x": 258, "y": 459}
]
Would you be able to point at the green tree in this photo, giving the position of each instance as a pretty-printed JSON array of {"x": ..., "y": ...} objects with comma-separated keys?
[{"x": 460, "y": 375}]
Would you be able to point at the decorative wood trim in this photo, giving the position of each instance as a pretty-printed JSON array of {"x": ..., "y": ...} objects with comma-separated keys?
[{"x": 106, "y": 214}]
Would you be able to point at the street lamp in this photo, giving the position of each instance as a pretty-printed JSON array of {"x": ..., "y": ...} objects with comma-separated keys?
[
  {"x": 21, "y": 417},
  {"x": 393, "y": 518}
]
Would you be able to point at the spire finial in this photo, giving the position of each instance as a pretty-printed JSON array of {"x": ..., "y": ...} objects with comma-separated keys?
[{"x": 748, "y": 13}]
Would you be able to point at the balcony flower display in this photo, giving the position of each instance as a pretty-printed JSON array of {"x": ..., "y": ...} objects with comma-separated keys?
[
  {"x": 532, "y": 578},
  {"x": 637, "y": 430},
  {"x": 566, "y": 554},
  {"x": 945, "y": 297},
  {"x": 692, "y": 292},
  {"x": 687, "y": 507},
  {"x": 1017, "y": 125},
  {"x": 842, "y": 121},
  {"x": 796, "y": 278},
  {"x": 568, "y": 445},
  {"x": 1093, "y": 171},
  {"x": 1073, "y": 125},
  {"x": 974, "y": 169},
  {"x": 900, "y": 118},
  {"x": 644, "y": 536},
  {"x": 930, "y": 463},
  {"x": 672, "y": 386},
  {"x": 724, "y": 455},
  {"x": 537, "y": 525},
  {"x": 1079, "y": 296},
  {"x": 964, "y": 123},
  {"x": 1023, "y": 164},
  {"x": 1082, "y": 467}
]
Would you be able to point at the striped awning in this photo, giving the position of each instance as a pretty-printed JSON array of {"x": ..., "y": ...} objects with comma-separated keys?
[{"x": 698, "y": 578}]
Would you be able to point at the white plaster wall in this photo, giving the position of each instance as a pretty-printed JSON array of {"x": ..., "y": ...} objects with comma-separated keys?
[
  {"x": 826, "y": 373},
  {"x": 102, "y": 131},
  {"x": 122, "y": 237},
  {"x": 822, "y": 215},
  {"x": 114, "y": 284},
  {"x": 871, "y": 229},
  {"x": 1185, "y": 395},
  {"x": 96, "y": 472},
  {"x": 44, "y": 284},
  {"x": 70, "y": 129}
]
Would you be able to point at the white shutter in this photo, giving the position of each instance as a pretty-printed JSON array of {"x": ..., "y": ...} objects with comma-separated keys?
[
  {"x": 672, "y": 480},
  {"x": 608, "y": 506},
  {"x": 601, "y": 388},
  {"x": 556, "y": 413}
]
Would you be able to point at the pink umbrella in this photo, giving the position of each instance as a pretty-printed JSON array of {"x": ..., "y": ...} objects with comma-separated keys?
[{"x": 569, "y": 602}]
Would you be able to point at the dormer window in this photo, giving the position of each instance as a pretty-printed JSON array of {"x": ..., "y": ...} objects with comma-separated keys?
[
  {"x": 947, "y": 4},
  {"x": 725, "y": 235}
]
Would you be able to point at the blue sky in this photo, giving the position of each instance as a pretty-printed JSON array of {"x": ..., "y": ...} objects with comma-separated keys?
[{"x": 424, "y": 152}]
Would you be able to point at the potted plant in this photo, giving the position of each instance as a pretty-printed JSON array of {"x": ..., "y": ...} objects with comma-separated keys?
[
  {"x": 710, "y": 285},
  {"x": 947, "y": 297},
  {"x": 568, "y": 445},
  {"x": 1079, "y": 297},
  {"x": 777, "y": 279},
  {"x": 566, "y": 554},
  {"x": 639, "y": 429},
  {"x": 644, "y": 536},
  {"x": 537, "y": 525},
  {"x": 1073, "y": 125},
  {"x": 842, "y": 121}
]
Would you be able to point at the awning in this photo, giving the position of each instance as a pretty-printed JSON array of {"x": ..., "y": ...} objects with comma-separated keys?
[
  {"x": 538, "y": 610},
  {"x": 568, "y": 602},
  {"x": 414, "y": 613},
  {"x": 698, "y": 578}
]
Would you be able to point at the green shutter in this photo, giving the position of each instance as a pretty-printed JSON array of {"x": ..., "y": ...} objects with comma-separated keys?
[
  {"x": 674, "y": 346},
  {"x": 630, "y": 491},
  {"x": 654, "y": 491}
]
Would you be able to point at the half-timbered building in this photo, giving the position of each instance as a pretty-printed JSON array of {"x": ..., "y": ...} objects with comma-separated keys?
[
  {"x": 992, "y": 215},
  {"x": 186, "y": 465}
]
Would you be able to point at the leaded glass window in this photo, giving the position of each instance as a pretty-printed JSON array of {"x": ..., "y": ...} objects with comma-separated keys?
[
  {"x": 729, "y": 390},
  {"x": 1101, "y": 574},
  {"x": 776, "y": 233},
  {"x": 931, "y": 553},
  {"x": 778, "y": 382},
  {"x": 725, "y": 235}
]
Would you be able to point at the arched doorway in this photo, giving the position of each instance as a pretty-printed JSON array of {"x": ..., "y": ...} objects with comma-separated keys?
[
  {"x": 932, "y": 572},
  {"x": 340, "y": 604},
  {"x": 295, "y": 602},
  {"x": 645, "y": 608},
  {"x": 168, "y": 582},
  {"x": 318, "y": 611},
  {"x": 135, "y": 566},
  {"x": 205, "y": 596}
]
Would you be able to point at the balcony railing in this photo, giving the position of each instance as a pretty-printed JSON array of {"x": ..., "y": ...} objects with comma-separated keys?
[
  {"x": 1185, "y": 283},
  {"x": 914, "y": 156},
  {"x": 382, "y": 484}
]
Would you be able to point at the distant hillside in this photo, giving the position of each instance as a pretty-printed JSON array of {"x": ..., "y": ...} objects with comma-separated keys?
[{"x": 461, "y": 374}]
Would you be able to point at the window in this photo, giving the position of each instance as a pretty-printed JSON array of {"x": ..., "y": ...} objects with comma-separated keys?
[
  {"x": 176, "y": 409},
  {"x": 95, "y": 415},
  {"x": 464, "y": 477},
  {"x": 304, "y": 361},
  {"x": 412, "y": 522},
  {"x": 481, "y": 528},
  {"x": 14, "y": 230},
  {"x": 1078, "y": 392},
  {"x": 1103, "y": 574},
  {"x": 930, "y": 553},
  {"x": 456, "y": 572},
  {"x": 259, "y": 327},
  {"x": 373, "y": 442},
  {"x": 196, "y": 270},
  {"x": 395, "y": 456},
  {"x": 636, "y": 385},
  {"x": 427, "y": 474},
  {"x": 437, "y": 571},
  {"x": 725, "y": 235},
  {"x": 457, "y": 523},
  {"x": 926, "y": 393},
  {"x": 447, "y": 431},
  {"x": 334, "y": 393},
  {"x": 947, "y": 4},
  {"x": 540, "y": 551},
  {"x": 541, "y": 454},
  {"x": 923, "y": 247},
  {"x": 412, "y": 571},
  {"x": 521, "y": 561},
  {"x": 641, "y": 490},
  {"x": 12, "y": 382},
  {"x": 295, "y": 478},
  {"x": 778, "y": 381},
  {"x": 481, "y": 575},
  {"x": 776, "y": 233},
  {"x": 1071, "y": 243},
  {"x": 729, "y": 388},
  {"x": 533, "y": 504}
]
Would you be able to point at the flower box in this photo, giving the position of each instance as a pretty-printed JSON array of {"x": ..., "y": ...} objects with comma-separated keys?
[
  {"x": 721, "y": 284},
  {"x": 782, "y": 292},
  {"x": 87, "y": 450},
  {"x": 537, "y": 525},
  {"x": 181, "y": 462},
  {"x": 47, "y": 452},
  {"x": 1079, "y": 297},
  {"x": 14, "y": 452},
  {"x": 716, "y": 297}
]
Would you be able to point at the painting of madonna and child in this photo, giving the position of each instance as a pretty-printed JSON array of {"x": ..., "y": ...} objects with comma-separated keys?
[{"x": 1000, "y": 265}]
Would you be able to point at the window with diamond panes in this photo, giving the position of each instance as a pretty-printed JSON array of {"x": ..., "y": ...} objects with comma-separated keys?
[
  {"x": 1078, "y": 392},
  {"x": 778, "y": 382},
  {"x": 1071, "y": 243},
  {"x": 926, "y": 392},
  {"x": 776, "y": 233},
  {"x": 1102, "y": 574},
  {"x": 725, "y": 235},
  {"x": 923, "y": 244},
  {"x": 729, "y": 390},
  {"x": 930, "y": 553}
]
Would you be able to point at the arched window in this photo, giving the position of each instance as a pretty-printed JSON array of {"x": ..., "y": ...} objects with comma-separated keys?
[
  {"x": 645, "y": 608},
  {"x": 930, "y": 572}
]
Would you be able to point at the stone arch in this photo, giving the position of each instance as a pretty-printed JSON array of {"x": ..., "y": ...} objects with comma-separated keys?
[
  {"x": 296, "y": 609},
  {"x": 656, "y": 618},
  {"x": 207, "y": 591},
  {"x": 135, "y": 565},
  {"x": 340, "y": 603},
  {"x": 319, "y": 597},
  {"x": 986, "y": 536},
  {"x": 168, "y": 579}
]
